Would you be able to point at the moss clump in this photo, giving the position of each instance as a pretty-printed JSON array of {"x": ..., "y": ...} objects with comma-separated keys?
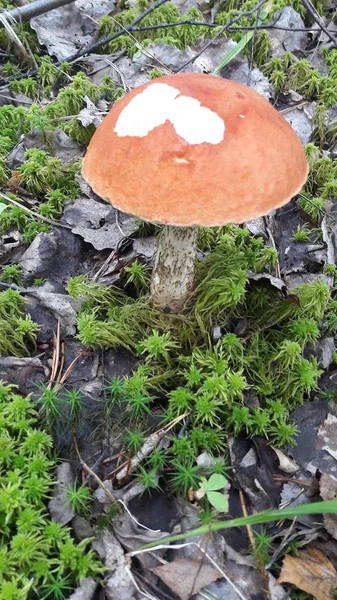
[
  {"x": 38, "y": 557},
  {"x": 15, "y": 217},
  {"x": 180, "y": 36},
  {"x": 11, "y": 274},
  {"x": 97, "y": 297},
  {"x": 43, "y": 174},
  {"x": 185, "y": 373},
  {"x": 27, "y": 86},
  {"x": 17, "y": 330},
  {"x": 287, "y": 72}
]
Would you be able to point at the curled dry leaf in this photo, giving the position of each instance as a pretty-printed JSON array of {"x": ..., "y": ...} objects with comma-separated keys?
[
  {"x": 186, "y": 577},
  {"x": 311, "y": 572}
]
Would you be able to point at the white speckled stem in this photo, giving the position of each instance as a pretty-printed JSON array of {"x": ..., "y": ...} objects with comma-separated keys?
[{"x": 174, "y": 269}]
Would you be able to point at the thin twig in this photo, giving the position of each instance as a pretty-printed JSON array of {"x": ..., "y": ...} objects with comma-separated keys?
[
  {"x": 69, "y": 369},
  {"x": 321, "y": 210},
  {"x": 34, "y": 9},
  {"x": 245, "y": 514},
  {"x": 269, "y": 226},
  {"x": 4, "y": 22},
  {"x": 29, "y": 102},
  {"x": 22, "y": 290},
  {"x": 61, "y": 363},
  {"x": 215, "y": 26},
  {"x": 92, "y": 473},
  {"x": 33, "y": 213},
  {"x": 318, "y": 19},
  {"x": 145, "y": 594},
  {"x": 135, "y": 520},
  {"x": 94, "y": 46},
  {"x": 144, "y": 50},
  {"x": 251, "y": 59},
  {"x": 113, "y": 254},
  {"x": 153, "y": 587},
  {"x": 56, "y": 355},
  {"x": 150, "y": 443}
]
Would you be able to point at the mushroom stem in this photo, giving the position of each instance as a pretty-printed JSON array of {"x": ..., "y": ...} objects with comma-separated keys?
[{"x": 174, "y": 269}]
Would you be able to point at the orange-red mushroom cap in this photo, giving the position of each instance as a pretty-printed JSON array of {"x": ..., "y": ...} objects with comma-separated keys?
[{"x": 193, "y": 149}]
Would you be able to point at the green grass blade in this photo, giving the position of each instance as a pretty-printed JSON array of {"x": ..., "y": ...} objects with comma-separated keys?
[
  {"x": 263, "y": 517},
  {"x": 234, "y": 51},
  {"x": 240, "y": 45}
]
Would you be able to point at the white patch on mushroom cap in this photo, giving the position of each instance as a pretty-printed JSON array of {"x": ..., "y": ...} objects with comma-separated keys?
[
  {"x": 181, "y": 161},
  {"x": 159, "y": 103}
]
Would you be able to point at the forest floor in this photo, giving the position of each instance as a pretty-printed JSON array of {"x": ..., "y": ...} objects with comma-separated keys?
[{"x": 151, "y": 425}]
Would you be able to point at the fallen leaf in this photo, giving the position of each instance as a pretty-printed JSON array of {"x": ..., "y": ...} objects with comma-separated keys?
[
  {"x": 328, "y": 491},
  {"x": 286, "y": 464},
  {"x": 186, "y": 577},
  {"x": 274, "y": 281},
  {"x": 69, "y": 28},
  {"x": 311, "y": 572}
]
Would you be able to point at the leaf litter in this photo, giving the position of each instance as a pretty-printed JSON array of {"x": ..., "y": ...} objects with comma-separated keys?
[{"x": 267, "y": 477}]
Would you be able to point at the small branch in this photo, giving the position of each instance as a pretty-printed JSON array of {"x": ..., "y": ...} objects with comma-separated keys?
[
  {"x": 34, "y": 9},
  {"x": 22, "y": 290},
  {"x": 33, "y": 213},
  {"x": 252, "y": 49},
  {"x": 90, "y": 471},
  {"x": 150, "y": 443},
  {"x": 318, "y": 19},
  {"x": 245, "y": 514},
  {"x": 56, "y": 355}
]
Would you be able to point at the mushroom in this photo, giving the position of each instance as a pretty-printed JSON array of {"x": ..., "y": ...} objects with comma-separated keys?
[{"x": 191, "y": 150}]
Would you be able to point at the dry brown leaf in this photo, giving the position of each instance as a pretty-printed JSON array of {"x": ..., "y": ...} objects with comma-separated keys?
[
  {"x": 328, "y": 491},
  {"x": 311, "y": 572},
  {"x": 186, "y": 577}
]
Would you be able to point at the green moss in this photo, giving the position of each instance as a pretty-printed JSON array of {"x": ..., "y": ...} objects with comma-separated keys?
[
  {"x": 18, "y": 331},
  {"x": 36, "y": 553},
  {"x": 43, "y": 174},
  {"x": 180, "y": 36},
  {"x": 100, "y": 298},
  {"x": 302, "y": 234},
  {"x": 155, "y": 73},
  {"x": 299, "y": 75},
  {"x": 313, "y": 207},
  {"x": 28, "y": 87},
  {"x": 11, "y": 274},
  {"x": 209, "y": 381}
]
